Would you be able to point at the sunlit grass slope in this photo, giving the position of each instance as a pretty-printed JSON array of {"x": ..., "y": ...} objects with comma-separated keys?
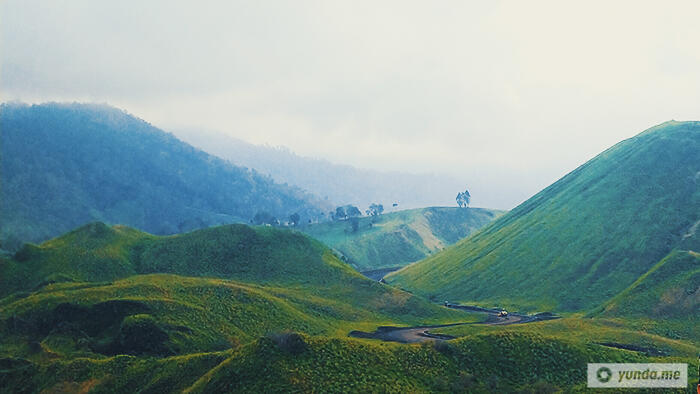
[
  {"x": 582, "y": 240},
  {"x": 589, "y": 331},
  {"x": 182, "y": 315},
  {"x": 96, "y": 252},
  {"x": 542, "y": 357},
  {"x": 399, "y": 238},
  {"x": 496, "y": 362}
]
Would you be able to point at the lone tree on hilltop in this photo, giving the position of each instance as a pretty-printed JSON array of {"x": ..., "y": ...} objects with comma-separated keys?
[{"x": 463, "y": 198}]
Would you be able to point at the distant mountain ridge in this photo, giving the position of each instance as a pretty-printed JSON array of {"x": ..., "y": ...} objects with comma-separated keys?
[
  {"x": 340, "y": 184},
  {"x": 587, "y": 237},
  {"x": 63, "y": 165}
]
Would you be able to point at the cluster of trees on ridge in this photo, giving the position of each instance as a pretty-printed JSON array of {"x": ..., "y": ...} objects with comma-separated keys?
[{"x": 347, "y": 212}]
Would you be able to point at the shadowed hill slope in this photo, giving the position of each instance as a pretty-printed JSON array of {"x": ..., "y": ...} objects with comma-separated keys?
[
  {"x": 64, "y": 165},
  {"x": 669, "y": 289},
  {"x": 585, "y": 238}
]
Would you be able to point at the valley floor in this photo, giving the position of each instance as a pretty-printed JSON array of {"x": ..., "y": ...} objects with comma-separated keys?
[{"x": 422, "y": 333}]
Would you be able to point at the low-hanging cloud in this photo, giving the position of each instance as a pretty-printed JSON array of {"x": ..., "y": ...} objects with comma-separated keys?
[{"x": 507, "y": 96}]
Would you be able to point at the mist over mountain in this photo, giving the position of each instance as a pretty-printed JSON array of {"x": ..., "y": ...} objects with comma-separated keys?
[
  {"x": 64, "y": 165},
  {"x": 338, "y": 183}
]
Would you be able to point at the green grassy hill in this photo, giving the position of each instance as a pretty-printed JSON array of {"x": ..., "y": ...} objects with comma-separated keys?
[
  {"x": 399, "y": 238},
  {"x": 64, "y": 165},
  {"x": 582, "y": 240},
  {"x": 121, "y": 316},
  {"x": 509, "y": 361},
  {"x": 181, "y": 315},
  {"x": 665, "y": 300},
  {"x": 481, "y": 363},
  {"x": 97, "y": 252},
  {"x": 97, "y": 290},
  {"x": 535, "y": 358},
  {"x": 670, "y": 289}
]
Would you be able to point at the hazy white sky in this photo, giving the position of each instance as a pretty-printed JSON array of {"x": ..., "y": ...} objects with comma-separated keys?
[{"x": 507, "y": 96}]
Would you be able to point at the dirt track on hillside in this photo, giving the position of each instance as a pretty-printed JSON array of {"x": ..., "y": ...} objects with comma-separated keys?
[{"x": 423, "y": 334}]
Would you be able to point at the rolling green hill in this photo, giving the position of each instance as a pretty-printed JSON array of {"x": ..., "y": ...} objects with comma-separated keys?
[
  {"x": 511, "y": 361},
  {"x": 398, "y": 238},
  {"x": 582, "y": 240},
  {"x": 482, "y": 363},
  {"x": 97, "y": 252},
  {"x": 64, "y": 165},
  {"x": 100, "y": 290},
  {"x": 109, "y": 309}
]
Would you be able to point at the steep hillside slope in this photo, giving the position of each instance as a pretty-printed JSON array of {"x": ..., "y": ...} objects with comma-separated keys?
[
  {"x": 63, "y": 165},
  {"x": 670, "y": 289},
  {"x": 582, "y": 240},
  {"x": 399, "y": 238}
]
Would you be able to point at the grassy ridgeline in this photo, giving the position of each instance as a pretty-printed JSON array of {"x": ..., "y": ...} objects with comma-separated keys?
[
  {"x": 398, "y": 238},
  {"x": 584, "y": 239},
  {"x": 95, "y": 291},
  {"x": 97, "y": 252}
]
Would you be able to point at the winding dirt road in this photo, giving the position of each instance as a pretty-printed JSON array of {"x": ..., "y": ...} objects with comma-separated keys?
[{"x": 422, "y": 333}]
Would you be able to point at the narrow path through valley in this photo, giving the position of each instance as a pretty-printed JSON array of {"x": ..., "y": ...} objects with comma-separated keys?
[{"x": 422, "y": 333}]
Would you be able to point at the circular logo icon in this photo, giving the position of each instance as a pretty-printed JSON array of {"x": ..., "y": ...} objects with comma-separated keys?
[{"x": 604, "y": 374}]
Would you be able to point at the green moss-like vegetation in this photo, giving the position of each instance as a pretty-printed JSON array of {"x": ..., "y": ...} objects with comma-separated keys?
[
  {"x": 195, "y": 314},
  {"x": 590, "y": 332},
  {"x": 495, "y": 362},
  {"x": 670, "y": 289},
  {"x": 118, "y": 374}
]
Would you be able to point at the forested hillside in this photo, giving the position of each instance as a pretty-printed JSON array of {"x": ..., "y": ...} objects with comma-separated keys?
[{"x": 63, "y": 165}]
